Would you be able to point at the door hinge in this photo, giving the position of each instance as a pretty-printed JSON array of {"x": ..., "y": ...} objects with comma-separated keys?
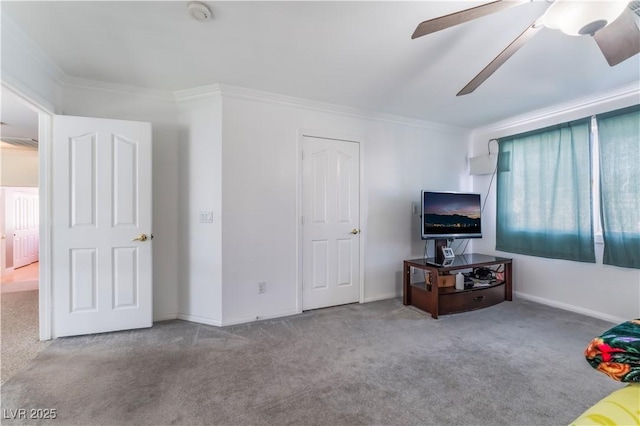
[
  {"x": 302, "y": 155},
  {"x": 302, "y": 220}
]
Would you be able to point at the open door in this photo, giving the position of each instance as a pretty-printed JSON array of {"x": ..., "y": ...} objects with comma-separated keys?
[
  {"x": 101, "y": 225},
  {"x": 24, "y": 211}
]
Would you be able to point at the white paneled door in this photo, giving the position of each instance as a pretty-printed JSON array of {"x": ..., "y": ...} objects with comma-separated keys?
[
  {"x": 101, "y": 236},
  {"x": 25, "y": 213},
  {"x": 330, "y": 229}
]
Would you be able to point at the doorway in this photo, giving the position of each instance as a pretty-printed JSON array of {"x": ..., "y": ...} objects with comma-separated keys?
[
  {"x": 19, "y": 194},
  {"x": 19, "y": 225}
]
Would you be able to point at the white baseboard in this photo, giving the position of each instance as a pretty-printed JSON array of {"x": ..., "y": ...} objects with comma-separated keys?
[
  {"x": 200, "y": 320},
  {"x": 244, "y": 320},
  {"x": 381, "y": 297},
  {"x": 571, "y": 308},
  {"x": 165, "y": 317}
]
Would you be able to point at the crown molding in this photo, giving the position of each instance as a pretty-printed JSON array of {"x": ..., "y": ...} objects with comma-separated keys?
[
  {"x": 13, "y": 32},
  {"x": 237, "y": 92},
  {"x": 269, "y": 97},
  {"x": 197, "y": 93},
  {"x": 116, "y": 88},
  {"x": 629, "y": 92},
  {"x": 14, "y": 37},
  {"x": 24, "y": 91},
  {"x": 224, "y": 90}
]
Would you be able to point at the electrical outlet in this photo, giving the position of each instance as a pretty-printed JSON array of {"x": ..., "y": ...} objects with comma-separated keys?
[{"x": 262, "y": 287}]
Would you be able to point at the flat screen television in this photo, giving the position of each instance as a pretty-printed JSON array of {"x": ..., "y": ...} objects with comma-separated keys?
[{"x": 450, "y": 215}]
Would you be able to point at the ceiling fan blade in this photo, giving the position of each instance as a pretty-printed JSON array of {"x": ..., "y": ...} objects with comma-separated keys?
[
  {"x": 620, "y": 40},
  {"x": 501, "y": 58},
  {"x": 446, "y": 21}
]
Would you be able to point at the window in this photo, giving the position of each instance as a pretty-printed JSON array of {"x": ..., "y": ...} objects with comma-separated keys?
[
  {"x": 544, "y": 193},
  {"x": 559, "y": 186},
  {"x": 619, "y": 140}
]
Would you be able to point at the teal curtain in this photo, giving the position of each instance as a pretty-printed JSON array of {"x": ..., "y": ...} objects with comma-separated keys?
[
  {"x": 544, "y": 193},
  {"x": 619, "y": 138}
]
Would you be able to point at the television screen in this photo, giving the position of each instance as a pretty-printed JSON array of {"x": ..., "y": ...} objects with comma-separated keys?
[{"x": 447, "y": 215}]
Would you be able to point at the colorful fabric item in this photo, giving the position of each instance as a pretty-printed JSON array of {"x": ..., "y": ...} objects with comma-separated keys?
[{"x": 616, "y": 352}]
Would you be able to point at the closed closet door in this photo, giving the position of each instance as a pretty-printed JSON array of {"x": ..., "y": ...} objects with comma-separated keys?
[{"x": 331, "y": 229}]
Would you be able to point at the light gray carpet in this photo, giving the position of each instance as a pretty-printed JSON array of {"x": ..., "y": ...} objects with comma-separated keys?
[
  {"x": 381, "y": 363},
  {"x": 19, "y": 329}
]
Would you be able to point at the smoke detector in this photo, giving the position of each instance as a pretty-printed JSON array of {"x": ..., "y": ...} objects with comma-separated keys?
[{"x": 199, "y": 11}]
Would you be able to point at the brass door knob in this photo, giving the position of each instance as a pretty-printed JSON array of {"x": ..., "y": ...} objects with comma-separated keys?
[
  {"x": 141, "y": 237},
  {"x": 355, "y": 231}
]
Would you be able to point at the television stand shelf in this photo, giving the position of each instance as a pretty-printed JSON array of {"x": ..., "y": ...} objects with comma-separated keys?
[{"x": 447, "y": 300}]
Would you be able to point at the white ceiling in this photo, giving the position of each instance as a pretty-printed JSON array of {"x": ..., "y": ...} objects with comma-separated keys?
[
  {"x": 358, "y": 54},
  {"x": 18, "y": 120}
]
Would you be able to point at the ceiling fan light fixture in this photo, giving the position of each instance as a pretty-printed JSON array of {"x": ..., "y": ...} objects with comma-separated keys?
[{"x": 582, "y": 17}]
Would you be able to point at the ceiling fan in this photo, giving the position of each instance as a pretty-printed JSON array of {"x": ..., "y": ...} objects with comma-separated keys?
[{"x": 611, "y": 24}]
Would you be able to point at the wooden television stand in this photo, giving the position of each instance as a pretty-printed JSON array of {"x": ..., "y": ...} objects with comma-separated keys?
[{"x": 447, "y": 300}]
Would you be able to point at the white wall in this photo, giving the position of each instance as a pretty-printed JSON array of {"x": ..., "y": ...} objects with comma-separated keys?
[
  {"x": 18, "y": 168},
  {"x": 237, "y": 156},
  {"x": 608, "y": 292},
  {"x": 26, "y": 70},
  {"x": 260, "y": 197},
  {"x": 200, "y": 159},
  {"x": 162, "y": 114}
]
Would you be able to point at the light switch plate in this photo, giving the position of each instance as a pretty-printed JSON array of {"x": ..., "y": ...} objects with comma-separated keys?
[{"x": 206, "y": 217}]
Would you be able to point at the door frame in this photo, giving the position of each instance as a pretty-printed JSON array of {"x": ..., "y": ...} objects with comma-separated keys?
[
  {"x": 362, "y": 199},
  {"x": 45, "y": 310},
  {"x": 45, "y": 113}
]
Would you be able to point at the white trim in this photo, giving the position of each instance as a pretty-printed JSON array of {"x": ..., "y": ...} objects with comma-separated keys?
[
  {"x": 44, "y": 111},
  {"x": 568, "y": 307},
  {"x": 628, "y": 92},
  {"x": 202, "y": 92},
  {"x": 45, "y": 304},
  {"x": 83, "y": 83},
  {"x": 215, "y": 90},
  {"x": 274, "y": 98},
  {"x": 299, "y": 242},
  {"x": 386, "y": 296},
  {"x": 165, "y": 317},
  {"x": 11, "y": 30},
  {"x": 362, "y": 220},
  {"x": 31, "y": 97},
  {"x": 362, "y": 200},
  {"x": 244, "y": 320},
  {"x": 198, "y": 319}
]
